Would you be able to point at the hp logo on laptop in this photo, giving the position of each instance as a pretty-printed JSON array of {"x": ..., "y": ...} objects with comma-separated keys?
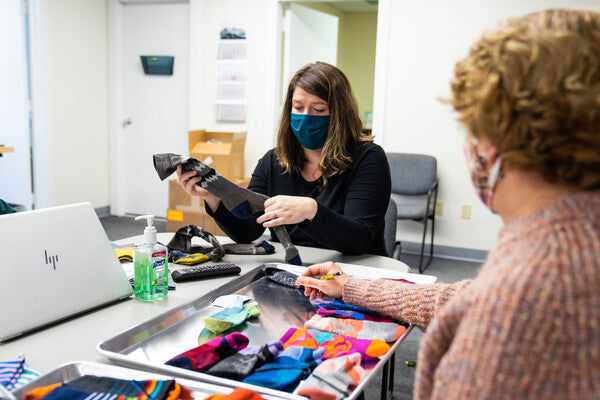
[{"x": 51, "y": 260}]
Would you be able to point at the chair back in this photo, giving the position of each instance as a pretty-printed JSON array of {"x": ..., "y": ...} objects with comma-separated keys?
[
  {"x": 412, "y": 174},
  {"x": 389, "y": 232}
]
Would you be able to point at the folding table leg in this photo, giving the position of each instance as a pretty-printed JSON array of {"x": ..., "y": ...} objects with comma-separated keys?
[{"x": 385, "y": 377}]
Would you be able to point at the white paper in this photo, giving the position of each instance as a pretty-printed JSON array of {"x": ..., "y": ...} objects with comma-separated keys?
[
  {"x": 231, "y": 91},
  {"x": 230, "y": 112},
  {"x": 232, "y": 50},
  {"x": 230, "y": 300},
  {"x": 364, "y": 272},
  {"x": 231, "y": 71}
]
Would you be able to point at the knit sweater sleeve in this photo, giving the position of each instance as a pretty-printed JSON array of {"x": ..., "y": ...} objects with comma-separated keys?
[{"x": 413, "y": 303}]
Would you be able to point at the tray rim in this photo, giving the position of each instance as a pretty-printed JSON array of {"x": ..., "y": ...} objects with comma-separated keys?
[{"x": 243, "y": 279}]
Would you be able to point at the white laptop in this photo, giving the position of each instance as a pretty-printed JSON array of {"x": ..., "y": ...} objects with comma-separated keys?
[{"x": 55, "y": 263}]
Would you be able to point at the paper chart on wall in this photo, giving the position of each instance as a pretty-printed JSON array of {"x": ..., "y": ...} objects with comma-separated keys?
[{"x": 364, "y": 272}]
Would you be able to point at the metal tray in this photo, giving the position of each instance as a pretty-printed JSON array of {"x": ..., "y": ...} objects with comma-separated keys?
[
  {"x": 150, "y": 344},
  {"x": 71, "y": 371}
]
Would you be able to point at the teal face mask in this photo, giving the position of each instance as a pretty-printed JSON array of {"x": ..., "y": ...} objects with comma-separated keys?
[{"x": 310, "y": 130}]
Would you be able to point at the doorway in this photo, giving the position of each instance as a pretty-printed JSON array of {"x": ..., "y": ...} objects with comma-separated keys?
[
  {"x": 15, "y": 127},
  {"x": 342, "y": 33},
  {"x": 150, "y": 111}
]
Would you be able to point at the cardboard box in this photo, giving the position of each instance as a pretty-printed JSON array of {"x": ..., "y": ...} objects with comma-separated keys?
[
  {"x": 223, "y": 151},
  {"x": 180, "y": 200},
  {"x": 177, "y": 219}
]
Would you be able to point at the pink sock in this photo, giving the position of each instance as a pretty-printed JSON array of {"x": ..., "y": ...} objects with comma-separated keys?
[
  {"x": 334, "y": 345},
  {"x": 357, "y": 329}
]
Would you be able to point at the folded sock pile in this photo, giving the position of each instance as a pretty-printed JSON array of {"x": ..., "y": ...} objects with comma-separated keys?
[
  {"x": 205, "y": 356},
  {"x": 244, "y": 362},
  {"x": 357, "y": 329},
  {"x": 237, "y": 313},
  {"x": 325, "y": 312},
  {"x": 333, "y": 379},
  {"x": 237, "y": 394},
  {"x": 340, "y": 305},
  {"x": 10, "y": 371},
  {"x": 89, "y": 386},
  {"x": 333, "y": 344},
  {"x": 284, "y": 373}
]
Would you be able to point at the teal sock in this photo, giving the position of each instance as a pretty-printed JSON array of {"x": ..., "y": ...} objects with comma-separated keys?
[{"x": 231, "y": 316}]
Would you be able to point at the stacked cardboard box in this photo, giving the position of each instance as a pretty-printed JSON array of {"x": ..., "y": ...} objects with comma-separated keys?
[
  {"x": 189, "y": 210},
  {"x": 223, "y": 151}
]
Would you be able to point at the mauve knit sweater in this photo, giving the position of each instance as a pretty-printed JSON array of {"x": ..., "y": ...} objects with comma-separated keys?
[{"x": 528, "y": 327}]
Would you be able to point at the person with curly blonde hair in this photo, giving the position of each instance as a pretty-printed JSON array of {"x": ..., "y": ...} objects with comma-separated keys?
[
  {"x": 325, "y": 176},
  {"x": 528, "y": 326}
]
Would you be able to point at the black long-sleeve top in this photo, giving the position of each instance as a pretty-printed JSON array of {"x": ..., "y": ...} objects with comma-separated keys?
[{"x": 351, "y": 208}]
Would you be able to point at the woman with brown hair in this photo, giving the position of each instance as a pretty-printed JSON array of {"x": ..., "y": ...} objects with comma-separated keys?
[
  {"x": 324, "y": 177},
  {"x": 528, "y": 327}
]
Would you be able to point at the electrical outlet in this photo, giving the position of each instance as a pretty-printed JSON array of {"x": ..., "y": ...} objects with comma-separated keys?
[
  {"x": 466, "y": 212},
  {"x": 439, "y": 208}
]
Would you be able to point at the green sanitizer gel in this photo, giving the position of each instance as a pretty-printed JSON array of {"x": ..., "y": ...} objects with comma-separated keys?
[{"x": 150, "y": 281}]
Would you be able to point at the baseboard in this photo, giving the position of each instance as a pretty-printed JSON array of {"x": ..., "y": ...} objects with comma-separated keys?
[
  {"x": 453, "y": 253},
  {"x": 102, "y": 211}
]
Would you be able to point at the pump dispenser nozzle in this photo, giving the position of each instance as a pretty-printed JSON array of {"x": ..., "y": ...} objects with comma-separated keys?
[{"x": 150, "y": 230}]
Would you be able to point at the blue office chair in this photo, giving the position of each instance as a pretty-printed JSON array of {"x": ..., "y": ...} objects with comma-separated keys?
[{"x": 414, "y": 189}]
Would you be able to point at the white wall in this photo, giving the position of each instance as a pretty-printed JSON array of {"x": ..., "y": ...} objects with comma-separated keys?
[
  {"x": 74, "y": 122},
  {"x": 425, "y": 41},
  {"x": 207, "y": 17}
]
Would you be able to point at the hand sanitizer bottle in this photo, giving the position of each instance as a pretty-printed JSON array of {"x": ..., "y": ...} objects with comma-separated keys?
[{"x": 150, "y": 281}]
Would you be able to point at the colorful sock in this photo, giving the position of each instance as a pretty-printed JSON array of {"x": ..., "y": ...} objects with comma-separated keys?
[
  {"x": 333, "y": 344},
  {"x": 182, "y": 241},
  {"x": 206, "y": 335},
  {"x": 386, "y": 331},
  {"x": 228, "y": 317},
  {"x": 242, "y": 202},
  {"x": 205, "y": 356},
  {"x": 179, "y": 257},
  {"x": 237, "y": 394},
  {"x": 153, "y": 389},
  {"x": 281, "y": 276},
  {"x": 340, "y": 305},
  {"x": 41, "y": 391},
  {"x": 243, "y": 363},
  {"x": 125, "y": 254},
  {"x": 287, "y": 369},
  {"x": 64, "y": 393},
  {"x": 333, "y": 379},
  {"x": 10, "y": 371},
  {"x": 26, "y": 376},
  {"x": 324, "y": 312}
]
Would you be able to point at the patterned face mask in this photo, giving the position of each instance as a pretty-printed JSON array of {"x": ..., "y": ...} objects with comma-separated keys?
[{"x": 483, "y": 176}]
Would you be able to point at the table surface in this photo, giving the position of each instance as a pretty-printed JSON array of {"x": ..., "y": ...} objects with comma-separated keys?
[{"x": 76, "y": 339}]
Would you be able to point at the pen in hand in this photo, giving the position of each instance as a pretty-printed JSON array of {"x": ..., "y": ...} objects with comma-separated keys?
[{"x": 330, "y": 276}]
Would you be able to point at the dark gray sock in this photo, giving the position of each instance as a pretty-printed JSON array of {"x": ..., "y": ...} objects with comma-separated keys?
[{"x": 240, "y": 201}]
